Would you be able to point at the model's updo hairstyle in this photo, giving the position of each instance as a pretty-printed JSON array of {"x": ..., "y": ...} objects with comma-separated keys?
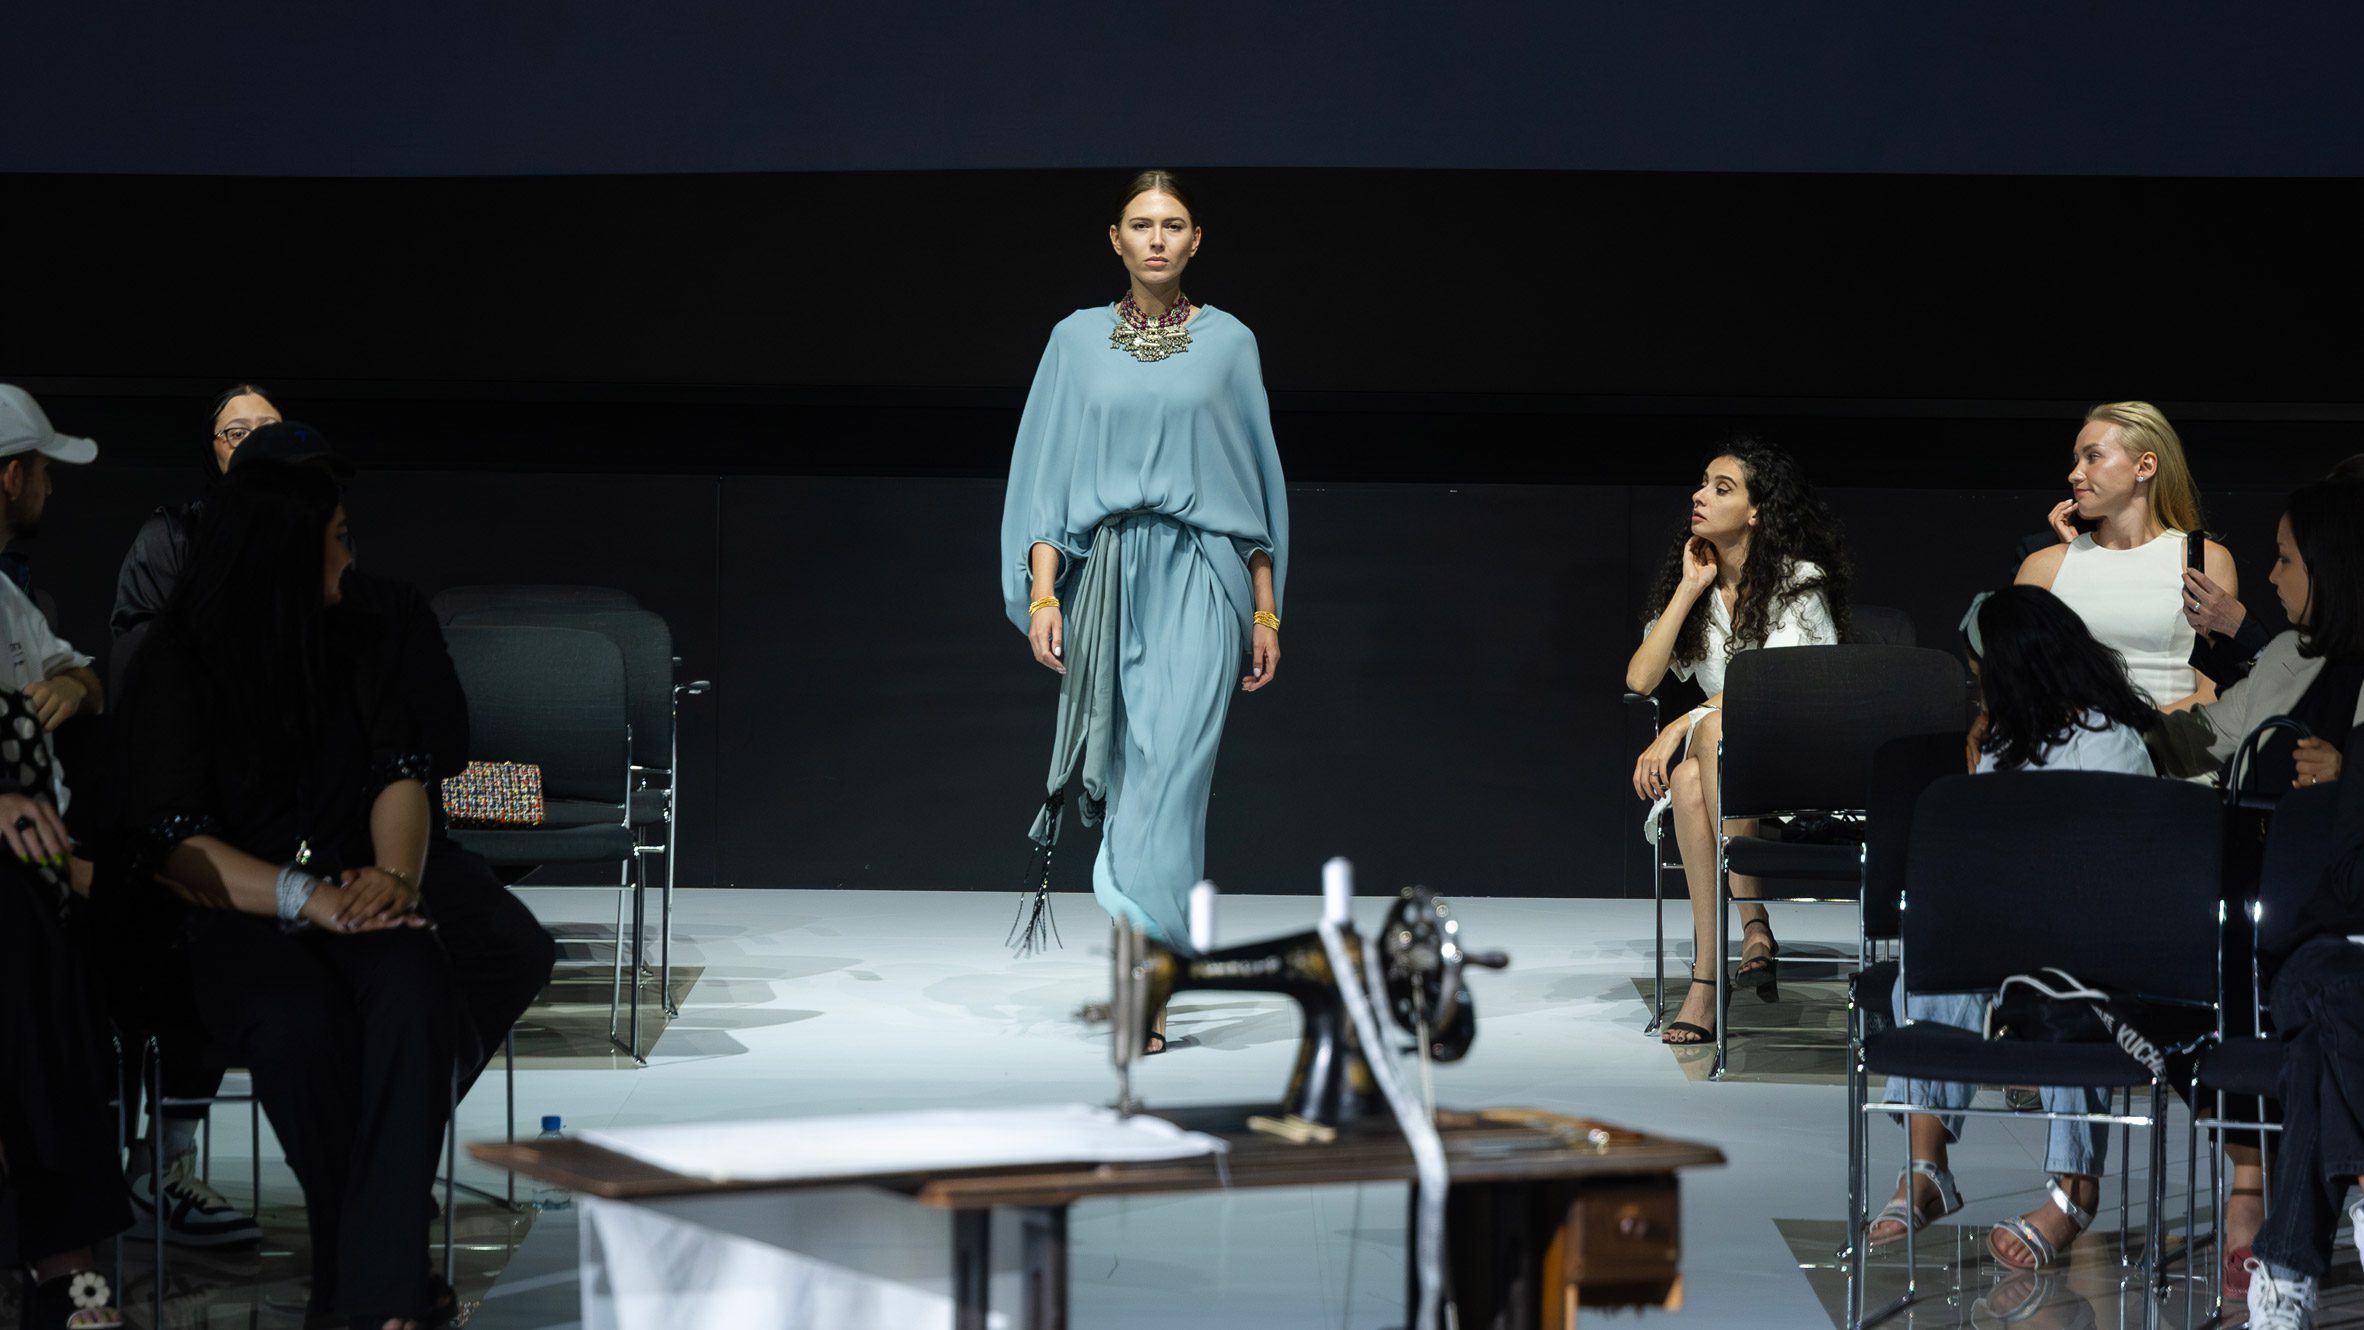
[
  {"x": 1154, "y": 181},
  {"x": 2143, "y": 428}
]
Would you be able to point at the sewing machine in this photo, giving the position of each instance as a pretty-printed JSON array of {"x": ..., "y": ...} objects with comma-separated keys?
[{"x": 1421, "y": 967}]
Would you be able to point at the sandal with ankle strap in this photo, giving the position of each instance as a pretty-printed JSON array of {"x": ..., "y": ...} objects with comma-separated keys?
[
  {"x": 1759, "y": 972},
  {"x": 1908, "y": 1211},
  {"x": 75, "y": 1300},
  {"x": 1701, "y": 1034},
  {"x": 2042, "y": 1248}
]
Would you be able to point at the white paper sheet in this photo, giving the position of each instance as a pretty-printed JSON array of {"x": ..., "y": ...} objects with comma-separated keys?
[{"x": 934, "y": 1140}]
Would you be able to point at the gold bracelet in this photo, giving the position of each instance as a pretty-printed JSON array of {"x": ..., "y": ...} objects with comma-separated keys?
[
  {"x": 400, "y": 876},
  {"x": 1046, "y": 603},
  {"x": 1267, "y": 619}
]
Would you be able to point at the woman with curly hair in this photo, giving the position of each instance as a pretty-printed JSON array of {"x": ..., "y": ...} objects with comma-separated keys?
[{"x": 1758, "y": 565}]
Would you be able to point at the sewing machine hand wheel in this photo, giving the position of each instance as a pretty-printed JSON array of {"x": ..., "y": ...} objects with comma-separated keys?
[{"x": 1422, "y": 961}]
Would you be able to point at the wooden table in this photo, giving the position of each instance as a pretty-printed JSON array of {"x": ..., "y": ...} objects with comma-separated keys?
[{"x": 1545, "y": 1212}]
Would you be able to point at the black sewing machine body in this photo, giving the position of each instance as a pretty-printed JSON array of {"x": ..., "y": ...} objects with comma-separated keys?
[{"x": 1330, "y": 1083}]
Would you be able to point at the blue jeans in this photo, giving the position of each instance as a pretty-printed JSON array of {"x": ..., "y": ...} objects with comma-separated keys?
[
  {"x": 2071, "y": 1147},
  {"x": 2318, "y": 1006}
]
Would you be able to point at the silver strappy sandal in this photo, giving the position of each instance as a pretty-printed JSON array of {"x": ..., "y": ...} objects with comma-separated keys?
[
  {"x": 2027, "y": 1235},
  {"x": 1905, "y": 1212}
]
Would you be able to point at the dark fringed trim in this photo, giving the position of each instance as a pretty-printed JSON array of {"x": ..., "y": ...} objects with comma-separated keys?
[{"x": 1035, "y": 920}]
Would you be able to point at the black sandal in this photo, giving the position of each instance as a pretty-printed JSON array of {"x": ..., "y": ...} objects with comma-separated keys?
[
  {"x": 1761, "y": 969},
  {"x": 1160, "y": 1037},
  {"x": 84, "y": 1293},
  {"x": 1705, "y": 1036}
]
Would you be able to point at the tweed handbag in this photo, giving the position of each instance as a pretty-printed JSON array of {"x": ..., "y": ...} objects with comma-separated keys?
[{"x": 495, "y": 794}]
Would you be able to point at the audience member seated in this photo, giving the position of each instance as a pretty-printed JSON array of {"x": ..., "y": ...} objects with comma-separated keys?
[
  {"x": 2056, "y": 699},
  {"x": 2313, "y": 673},
  {"x": 2318, "y": 1008},
  {"x": 55, "y": 679},
  {"x": 270, "y": 798},
  {"x": 152, "y": 565},
  {"x": 2128, "y": 480},
  {"x": 57, "y": 1144},
  {"x": 1758, "y": 564},
  {"x": 501, "y": 955},
  {"x": 2231, "y": 638}
]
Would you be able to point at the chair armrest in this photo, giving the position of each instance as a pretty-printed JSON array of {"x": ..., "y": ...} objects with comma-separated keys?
[{"x": 693, "y": 688}]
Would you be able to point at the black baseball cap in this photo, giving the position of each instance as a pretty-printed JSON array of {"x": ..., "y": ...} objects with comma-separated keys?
[{"x": 290, "y": 442}]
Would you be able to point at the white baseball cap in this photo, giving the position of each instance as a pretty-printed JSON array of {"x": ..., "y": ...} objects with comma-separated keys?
[{"x": 24, "y": 428}]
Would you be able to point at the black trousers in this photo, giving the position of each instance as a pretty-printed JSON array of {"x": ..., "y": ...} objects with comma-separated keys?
[
  {"x": 66, "y": 1188},
  {"x": 2318, "y": 1007},
  {"x": 352, "y": 1043},
  {"x": 501, "y": 956}
]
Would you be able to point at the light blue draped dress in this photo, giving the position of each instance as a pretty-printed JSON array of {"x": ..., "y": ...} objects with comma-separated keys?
[{"x": 1176, "y": 457}]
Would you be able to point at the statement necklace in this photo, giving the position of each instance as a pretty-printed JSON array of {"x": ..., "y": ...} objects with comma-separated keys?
[{"x": 1142, "y": 338}]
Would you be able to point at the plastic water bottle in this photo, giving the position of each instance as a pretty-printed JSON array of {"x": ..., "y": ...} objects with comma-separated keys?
[{"x": 549, "y": 1195}]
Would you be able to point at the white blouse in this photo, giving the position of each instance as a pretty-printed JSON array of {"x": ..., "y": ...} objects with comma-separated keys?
[{"x": 1802, "y": 622}]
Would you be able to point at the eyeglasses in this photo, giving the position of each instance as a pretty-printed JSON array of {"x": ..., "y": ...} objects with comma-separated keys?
[{"x": 234, "y": 435}]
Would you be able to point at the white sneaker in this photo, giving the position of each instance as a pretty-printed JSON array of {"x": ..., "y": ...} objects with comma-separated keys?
[
  {"x": 195, "y": 1215},
  {"x": 2279, "y": 1303}
]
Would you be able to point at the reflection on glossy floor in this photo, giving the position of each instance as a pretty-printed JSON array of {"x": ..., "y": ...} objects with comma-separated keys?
[
  {"x": 1798, "y": 1038},
  {"x": 1961, "y": 1284},
  {"x": 808, "y": 1002}
]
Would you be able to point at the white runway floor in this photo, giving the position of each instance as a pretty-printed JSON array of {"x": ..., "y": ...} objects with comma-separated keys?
[{"x": 811, "y": 1002}]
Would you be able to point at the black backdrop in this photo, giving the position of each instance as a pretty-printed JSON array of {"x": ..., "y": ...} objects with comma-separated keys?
[{"x": 775, "y": 406}]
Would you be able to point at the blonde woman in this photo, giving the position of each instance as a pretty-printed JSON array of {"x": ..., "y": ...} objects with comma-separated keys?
[{"x": 2124, "y": 576}]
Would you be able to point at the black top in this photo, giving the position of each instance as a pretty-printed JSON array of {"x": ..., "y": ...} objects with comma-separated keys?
[
  {"x": 2226, "y": 660},
  {"x": 2336, "y": 908},
  {"x": 191, "y": 769},
  {"x": 391, "y": 613}
]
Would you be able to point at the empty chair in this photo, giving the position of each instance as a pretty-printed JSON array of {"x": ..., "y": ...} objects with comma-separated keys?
[
  {"x": 556, "y": 697},
  {"x": 1879, "y": 625},
  {"x": 452, "y": 602},
  {"x": 653, "y": 700},
  {"x": 2112, "y": 878},
  {"x": 2246, "y": 1065},
  {"x": 1801, "y": 725}
]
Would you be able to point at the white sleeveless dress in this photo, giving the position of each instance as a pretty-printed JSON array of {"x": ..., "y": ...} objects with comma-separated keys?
[{"x": 2132, "y": 600}]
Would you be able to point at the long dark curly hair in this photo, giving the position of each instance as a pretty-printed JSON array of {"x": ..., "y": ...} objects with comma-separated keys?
[
  {"x": 1793, "y": 527},
  {"x": 2042, "y": 672}
]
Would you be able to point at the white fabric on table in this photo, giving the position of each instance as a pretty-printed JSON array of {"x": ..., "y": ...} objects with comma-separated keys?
[
  {"x": 927, "y": 1141},
  {"x": 847, "y": 1258}
]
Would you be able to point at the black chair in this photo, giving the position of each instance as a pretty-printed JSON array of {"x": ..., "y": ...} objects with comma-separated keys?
[
  {"x": 1663, "y": 859},
  {"x": 2112, "y": 878},
  {"x": 451, "y": 603},
  {"x": 1900, "y": 771},
  {"x": 654, "y": 706},
  {"x": 1879, "y": 625},
  {"x": 2248, "y": 1063},
  {"x": 556, "y": 697},
  {"x": 1800, "y": 727},
  {"x": 1872, "y": 625}
]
